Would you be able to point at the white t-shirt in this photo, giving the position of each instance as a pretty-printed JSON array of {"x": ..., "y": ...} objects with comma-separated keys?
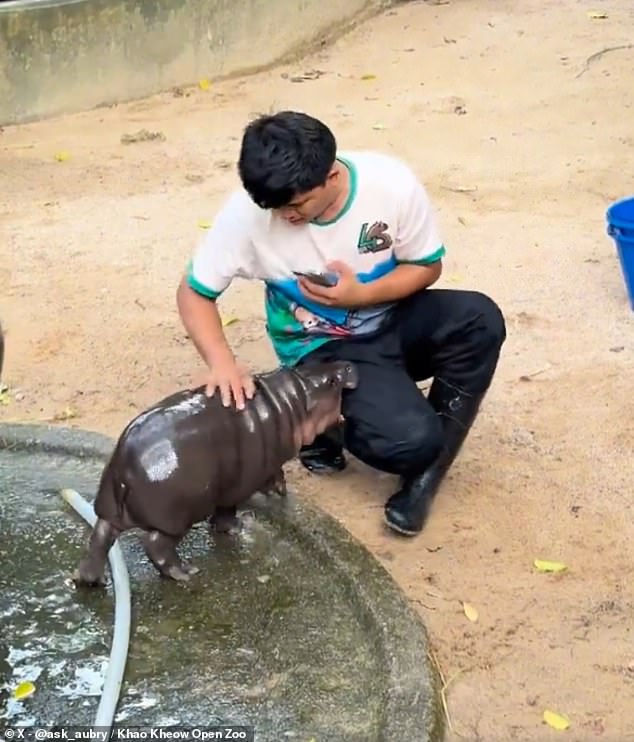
[{"x": 386, "y": 220}]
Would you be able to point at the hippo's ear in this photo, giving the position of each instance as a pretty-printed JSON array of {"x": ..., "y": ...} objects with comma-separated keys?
[{"x": 347, "y": 375}]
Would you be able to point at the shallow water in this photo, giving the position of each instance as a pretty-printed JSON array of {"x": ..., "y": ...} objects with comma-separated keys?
[{"x": 264, "y": 635}]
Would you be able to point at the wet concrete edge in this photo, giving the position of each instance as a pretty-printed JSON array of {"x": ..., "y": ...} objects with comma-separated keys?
[{"x": 413, "y": 711}]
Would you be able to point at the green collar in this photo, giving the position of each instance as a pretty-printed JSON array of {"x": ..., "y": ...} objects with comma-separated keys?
[{"x": 351, "y": 194}]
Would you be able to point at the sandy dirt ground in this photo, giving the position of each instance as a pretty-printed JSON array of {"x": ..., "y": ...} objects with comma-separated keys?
[{"x": 522, "y": 147}]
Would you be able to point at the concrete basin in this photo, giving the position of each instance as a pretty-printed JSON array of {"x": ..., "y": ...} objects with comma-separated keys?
[{"x": 290, "y": 626}]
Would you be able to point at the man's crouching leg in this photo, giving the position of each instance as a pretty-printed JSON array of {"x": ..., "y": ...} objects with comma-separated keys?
[
  {"x": 407, "y": 510},
  {"x": 464, "y": 371}
]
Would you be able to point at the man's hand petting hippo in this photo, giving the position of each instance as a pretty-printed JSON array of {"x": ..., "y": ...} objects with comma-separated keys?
[{"x": 191, "y": 458}]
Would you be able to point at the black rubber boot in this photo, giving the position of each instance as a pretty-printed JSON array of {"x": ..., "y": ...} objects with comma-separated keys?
[
  {"x": 325, "y": 453},
  {"x": 406, "y": 511}
]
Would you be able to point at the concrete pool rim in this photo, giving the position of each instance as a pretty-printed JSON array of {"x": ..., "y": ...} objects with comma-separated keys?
[{"x": 412, "y": 697}]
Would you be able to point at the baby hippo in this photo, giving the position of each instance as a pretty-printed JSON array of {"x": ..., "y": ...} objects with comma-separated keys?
[{"x": 188, "y": 458}]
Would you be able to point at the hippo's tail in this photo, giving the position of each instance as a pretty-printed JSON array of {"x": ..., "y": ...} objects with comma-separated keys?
[
  {"x": 111, "y": 498},
  {"x": 120, "y": 492}
]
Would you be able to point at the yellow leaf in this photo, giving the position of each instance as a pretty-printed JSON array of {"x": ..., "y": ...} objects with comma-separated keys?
[
  {"x": 368, "y": 77},
  {"x": 470, "y": 612},
  {"x": 204, "y": 84},
  {"x": 66, "y": 414},
  {"x": 62, "y": 156},
  {"x": 24, "y": 690},
  {"x": 596, "y": 14},
  {"x": 228, "y": 321},
  {"x": 556, "y": 721},
  {"x": 544, "y": 565},
  {"x": 456, "y": 278},
  {"x": 204, "y": 224},
  {"x": 4, "y": 398}
]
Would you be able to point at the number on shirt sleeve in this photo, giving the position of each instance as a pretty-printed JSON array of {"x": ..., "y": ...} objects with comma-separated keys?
[
  {"x": 418, "y": 239},
  {"x": 224, "y": 253}
]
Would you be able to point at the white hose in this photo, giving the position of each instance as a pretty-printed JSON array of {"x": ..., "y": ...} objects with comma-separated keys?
[{"x": 121, "y": 633}]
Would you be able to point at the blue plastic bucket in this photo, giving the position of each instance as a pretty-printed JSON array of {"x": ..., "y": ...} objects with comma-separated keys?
[{"x": 620, "y": 218}]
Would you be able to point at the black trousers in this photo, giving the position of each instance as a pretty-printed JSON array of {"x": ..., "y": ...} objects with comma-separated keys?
[{"x": 451, "y": 334}]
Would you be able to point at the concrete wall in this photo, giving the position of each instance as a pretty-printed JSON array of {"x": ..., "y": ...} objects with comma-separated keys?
[{"x": 59, "y": 56}]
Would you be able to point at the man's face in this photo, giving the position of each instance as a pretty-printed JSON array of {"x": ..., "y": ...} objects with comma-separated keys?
[{"x": 310, "y": 205}]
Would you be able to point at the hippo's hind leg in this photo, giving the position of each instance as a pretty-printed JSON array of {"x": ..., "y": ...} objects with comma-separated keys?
[
  {"x": 161, "y": 550},
  {"x": 90, "y": 571},
  {"x": 225, "y": 520}
]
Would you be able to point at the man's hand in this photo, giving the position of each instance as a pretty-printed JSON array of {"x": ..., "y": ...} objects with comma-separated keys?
[
  {"x": 403, "y": 281},
  {"x": 349, "y": 291},
  {"x": 233, "y": 379}
]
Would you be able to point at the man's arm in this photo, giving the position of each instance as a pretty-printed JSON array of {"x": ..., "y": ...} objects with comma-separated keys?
[
  {"x": 418, "y": 249},
  {"x": 201, "y": 318},
  {"x": 212, "y": 268},
  {"x": 405, "y": 279}
]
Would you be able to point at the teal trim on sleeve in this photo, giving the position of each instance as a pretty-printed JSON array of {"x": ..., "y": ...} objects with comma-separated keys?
[
  {"x": 433, "y": 258},
  {"x": 198, "y": 287}
]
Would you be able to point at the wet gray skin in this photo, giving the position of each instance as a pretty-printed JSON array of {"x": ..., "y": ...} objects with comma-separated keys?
[{"x": 189, "y": 458}]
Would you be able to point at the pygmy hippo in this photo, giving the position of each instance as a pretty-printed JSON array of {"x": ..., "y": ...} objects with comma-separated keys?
[{"x": 188, "y": 458}]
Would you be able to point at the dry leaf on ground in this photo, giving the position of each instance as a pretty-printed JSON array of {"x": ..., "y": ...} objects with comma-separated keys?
[
  {"x": 143, "y": 135},
  {"x": 556, "y": 721},
  {"x": 544, "y": 565},
  {"x": 24, "y": 690}
]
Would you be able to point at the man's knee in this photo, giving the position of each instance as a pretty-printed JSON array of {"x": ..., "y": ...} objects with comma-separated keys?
[
  {"x": 406, "y": 445},
  {"x": 490, "y": 321}
]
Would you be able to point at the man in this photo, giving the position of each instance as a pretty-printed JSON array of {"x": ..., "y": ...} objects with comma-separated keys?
[{"x": 364, "y": 220}]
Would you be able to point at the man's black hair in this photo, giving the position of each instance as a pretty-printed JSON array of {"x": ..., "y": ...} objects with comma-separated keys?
[{"x": 283, "y": 155}]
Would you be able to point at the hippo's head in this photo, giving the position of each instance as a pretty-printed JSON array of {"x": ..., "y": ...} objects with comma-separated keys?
[{"x": 323, "y": 384}]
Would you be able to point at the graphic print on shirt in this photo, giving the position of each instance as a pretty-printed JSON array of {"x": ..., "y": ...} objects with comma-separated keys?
[
  {"x": 313, "y": 324},
  {"x": 374, "y": 239},
  {"x": 300, "y": 325}
]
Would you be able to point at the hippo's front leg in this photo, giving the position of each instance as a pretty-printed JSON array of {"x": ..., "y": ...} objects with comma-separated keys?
[
  {"x": 90, "y": 571},
  {"x": 161, "y": 551},
  {"x": 275, "y": 485},
  {"x": 225, "y": 520}
]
